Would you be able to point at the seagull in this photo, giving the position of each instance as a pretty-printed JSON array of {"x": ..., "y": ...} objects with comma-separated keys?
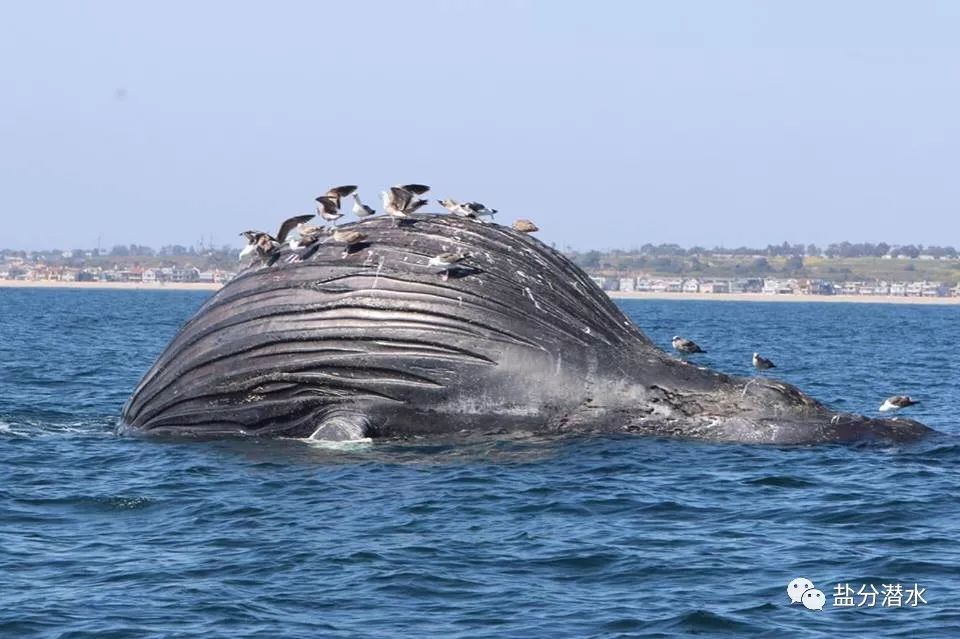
[
  {"x": 338, "y": 192},
  {"x": 309, "y": 235},
  {"x": 350, "y": 238},
  {"x": 762, "y": 363},
  {"x": 447, "y": 261},
  {"x": 328, "y": 208},
  {"x": 360, "y": 209},
  {"x": 525, "y": 226},
  {"x": 687, "y": 346},
  {"x": 398, "y": 202},
  {"x": 479, "y": 209},
  {"x": 456, "y": 208},
  {"x": 265, "y": 244},
  {"x": 897, "y": 402}
]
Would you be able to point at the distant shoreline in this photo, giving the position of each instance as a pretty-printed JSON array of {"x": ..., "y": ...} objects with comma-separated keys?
[
  {"x": 769, "y": 297},
  {"x": 130, "y": 286},
  {"x": 620, "y": 295}
]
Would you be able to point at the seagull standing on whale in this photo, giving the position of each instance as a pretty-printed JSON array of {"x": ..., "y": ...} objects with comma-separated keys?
[
  {"x": 307, "y": 236},
  {"x": 479, "y": 209},
  {"x": 399, "y": 201},
  {"x": 456, "y": 208},
  {"x": 328, "y": 204},
  {"x": 338, "y": 192},
  {"x": 685, "y": 346},
  {"x": 327, "y": 209},
  {"x": 266, "y": 245},
  {"x": 447, "y": 261},
  {"x": 360, "y": 209},
  {"x": 897, "y": 402},
  {"x": 525, "y": 226},
  {"x": 350, "y": 238},
  {"x": 762, "y": 363}
]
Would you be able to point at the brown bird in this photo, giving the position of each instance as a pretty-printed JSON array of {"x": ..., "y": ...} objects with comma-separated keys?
[
  {"x": 338, "y": 192},
  {"x": 525, "y": 226},
  {"x": 687, "y": 346},
  {"x": 762, "y": 363},
  {"x": 328, "y": 209},
  {"x": 350, "y": 238},
  {"x": 267, "y": 245},
  {"x": 309, "y": 235},
  {"x": 398, "y": 202},
  {"x": 447, "y": 261}
]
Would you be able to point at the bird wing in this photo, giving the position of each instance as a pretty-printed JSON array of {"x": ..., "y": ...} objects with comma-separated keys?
[
  {"x": 413, "y": 206},
  {"x": 400, "y": 197},
  {"x": 290, "y": 224},
  {"x": 416, "y": 189},
  {"x": 328, "y": 204},
  {"x": 338, "y": 192}
]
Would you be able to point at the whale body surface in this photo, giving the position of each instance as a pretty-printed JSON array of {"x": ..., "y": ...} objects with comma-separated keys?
[{"x": 375, "y": 343}]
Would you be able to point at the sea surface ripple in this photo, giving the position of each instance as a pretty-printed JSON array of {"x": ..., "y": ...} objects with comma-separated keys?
[{"x": 114, "y": 537}]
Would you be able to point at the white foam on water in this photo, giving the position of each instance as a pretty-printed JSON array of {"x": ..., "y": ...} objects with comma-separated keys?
[{"x": 348, "y": 445}]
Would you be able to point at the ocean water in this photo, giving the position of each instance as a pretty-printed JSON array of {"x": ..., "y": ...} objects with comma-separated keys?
[{"x": 107, "y": 536}]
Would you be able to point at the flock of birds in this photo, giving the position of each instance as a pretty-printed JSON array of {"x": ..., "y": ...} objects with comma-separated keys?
[
  {"x": 399, "y": 202},
  {"x": 689, "y": 347}
]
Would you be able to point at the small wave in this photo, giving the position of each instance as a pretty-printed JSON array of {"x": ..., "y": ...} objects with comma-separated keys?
[
  {"x": 780, "y": 481},
  {"x": 34, "y": 428},
  {"x": 104, "y": 503}
]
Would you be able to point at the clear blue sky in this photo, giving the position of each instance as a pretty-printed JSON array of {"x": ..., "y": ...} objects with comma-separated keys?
[{"x": 610, "y": 124}]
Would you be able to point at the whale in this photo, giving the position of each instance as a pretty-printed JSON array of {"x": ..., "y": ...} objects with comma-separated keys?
[{"x": 375, "y": 341}]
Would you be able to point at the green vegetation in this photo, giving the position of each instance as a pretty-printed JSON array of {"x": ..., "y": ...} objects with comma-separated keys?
[{"x": 713, "y": 264}]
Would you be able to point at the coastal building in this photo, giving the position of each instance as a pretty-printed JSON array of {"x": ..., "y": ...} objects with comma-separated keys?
[
  {"x": 819, "y": 287},
  {"x": 185, "y": 274},
  {"x": 779, "y": 287},
  {"x": 628, "y": 284},
  {"x": 933, "y": 289},
  {"x": 691, "y": 286},
  {"x": 667, "y": 286},
  {"x": 852, "y": 288},
  {"x": 747, "y": 285},
  {"x": 898, "y": 288},
  {"x": 715, "y": 286}
]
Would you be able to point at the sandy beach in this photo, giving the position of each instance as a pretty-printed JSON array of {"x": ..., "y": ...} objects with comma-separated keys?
[
  {"x": 130, "y": 286},
  {"x": 767, "y": 297}
]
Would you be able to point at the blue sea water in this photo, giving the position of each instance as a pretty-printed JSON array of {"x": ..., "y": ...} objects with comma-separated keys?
[{"x": 108, "y": 536}]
